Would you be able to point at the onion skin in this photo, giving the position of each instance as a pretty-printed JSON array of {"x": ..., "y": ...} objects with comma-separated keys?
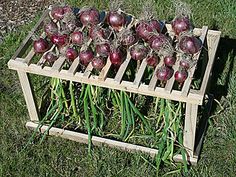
[
  {"x": 128, "y": 38},
  {"x": 60, "y": 39},
  {"x": 185, "y": 64},
  {"x": 86, "y": 56},
  {"x": 89, "y": 17},
  {"x": 96, "y": 32},
  {"x": 169, "y": 60},
  {"x": 71, "y": 54},
  {"x": 152, "y": 60},
  {"x": 77, "y": 38},
  {"x": 164, "y": 73},
  {"x": 139, "y": 52},
  {"x": 181, "y": 24},
  {"x": 50, "y": 57},
  {"x": 98, "y": 63},
  {"x": 190, "y": 44},
  {"x": 116, "y": 20},
  {"x": 103, "y": 49},
  {"x": 40, "y": 46},
  {"x": 58, "y": 13},
  {"x": 50, "y": 28},
  {"x": 181, "y": 75},
  {"x": 144, "y": 29},
  {"x": 116, "y": 57},
  {"x": 156, "y": 42}
]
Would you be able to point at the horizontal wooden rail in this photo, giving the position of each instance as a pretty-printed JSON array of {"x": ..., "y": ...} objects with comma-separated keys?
[
  {"x": 98, "y": 141},
  {"x": 108, "y": 83}
]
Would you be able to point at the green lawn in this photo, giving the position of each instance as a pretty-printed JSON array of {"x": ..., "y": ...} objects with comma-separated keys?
[{"x": 58, "y": 157}]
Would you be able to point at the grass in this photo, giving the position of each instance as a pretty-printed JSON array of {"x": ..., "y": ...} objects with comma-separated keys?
[{"x": 58, "y": 157}]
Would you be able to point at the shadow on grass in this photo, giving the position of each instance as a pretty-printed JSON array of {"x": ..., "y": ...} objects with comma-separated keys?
[{"x": 224, "y": 56}]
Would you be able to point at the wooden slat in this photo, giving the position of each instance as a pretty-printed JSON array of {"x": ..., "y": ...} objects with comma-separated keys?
[
  {"x": 88, "y": 70},
  {"x": 190, "y": 127},
  {"x": 171, "y": 81},
  {"x": 139, "y": 74},
  {"x": 26, "y": 42},
  {"x": 153, "y": 80},
  {"x": 187, "y": 83},
  {"x": 58, "y": 64},
  {"x": 105, "y": 70},
  {"x": 212, "y": 42},
  {"x": 98, "y": 141},
  {"x": 122, "y": 69},
  {"x": 74, "y": 66},
  {"x": 28, "y": 94}
]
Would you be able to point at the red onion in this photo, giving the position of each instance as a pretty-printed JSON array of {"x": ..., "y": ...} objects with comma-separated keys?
[
  {"x": 128, "y": 38},
  {"x": 116, "y": 19},
  {"x": 71, "y": 54},
  {"x": 164, "y": 73},
  {"x": 181, "y": 24},
  {"x": 77, "y": 38},
  {"x": 98, "y": 63},
  {"x": 184, "y": 64},
  {"x": 155, "y": 25},
  {"x": 67, "y": 9},
  {"x": 144, "y": 29},
  {"x": 98, "y": 32},
  {"x": 41, "y": 45},
  {"x": 138, "y": 52},
  {"x": 57, "y": 13},
  {"x": 190, "y": 44},
  {"x": 181, "y": 75},
  {"x": 89, "y": 17},
  {"x": 60, "y": 39},
  {"x": 158, "y": 41},
  {"x": 103, "y": 49},
  {"x": 50, "y": 28},
  {"x": 50, "y": 57},
  {"x": 169, "y": 60},
  {"x": 116, "y": 56},
  {"x": 152, "y": 60},
  {"x": 86, "y": 56}
]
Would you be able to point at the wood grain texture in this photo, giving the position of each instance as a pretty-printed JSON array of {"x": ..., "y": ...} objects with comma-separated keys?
[{"x": 28, "y": 94}]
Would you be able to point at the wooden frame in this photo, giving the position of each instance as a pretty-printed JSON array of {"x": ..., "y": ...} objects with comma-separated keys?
[{"x": 192, "y": 98}]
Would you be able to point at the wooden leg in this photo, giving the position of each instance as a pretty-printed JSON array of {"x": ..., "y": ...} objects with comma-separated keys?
[
  {"x": 28, "y": 94},
  {"x": 190, "y": 127}
]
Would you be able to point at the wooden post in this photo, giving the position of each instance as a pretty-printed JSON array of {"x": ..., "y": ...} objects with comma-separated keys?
[
  {"x": 28, "y": 94},
  {"x": 190, "y": 127}
]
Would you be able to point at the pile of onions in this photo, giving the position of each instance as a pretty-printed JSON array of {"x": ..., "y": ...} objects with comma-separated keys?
[{"x": 113, "y": 37}]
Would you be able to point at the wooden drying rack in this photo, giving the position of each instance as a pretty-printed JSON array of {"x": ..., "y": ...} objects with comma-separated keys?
[{"x": 192, "y": 98}]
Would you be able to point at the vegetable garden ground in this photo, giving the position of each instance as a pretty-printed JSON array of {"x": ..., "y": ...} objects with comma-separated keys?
[{"x": 58, "y": 157}]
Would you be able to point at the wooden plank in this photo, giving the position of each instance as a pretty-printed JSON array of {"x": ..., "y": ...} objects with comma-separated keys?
[
  {"x": 212, "y": 42},
  {"x": 153, "y": 80},
  {"x": 190, "y": 127},
  {"x": 28, "y": 94},
  {"x": 88, "y": 70},
  {"x": 108, "y": 83},
  {"x": 58, "y": 64},
  {"x": 26, "y": 42},
  {"x": 122, "y": 68},
  {"x": 98, "y": 141},
  {"x": 171, "y": 81},
  {"x": 187, "y": 83},
  {"x": 105, "y": 70},
  {"x": 74, "y": 66},
  {"x": 139, "y": 74}
]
